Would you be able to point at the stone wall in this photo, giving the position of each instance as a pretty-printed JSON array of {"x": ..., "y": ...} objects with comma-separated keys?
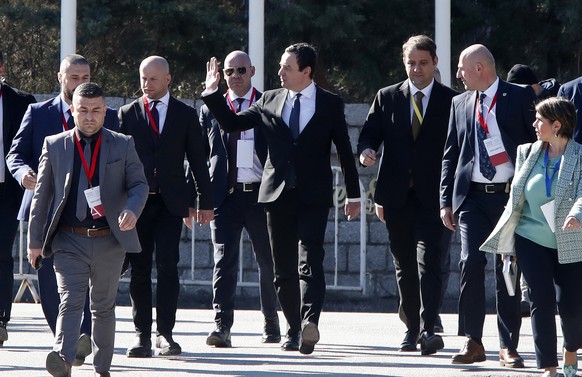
[{"x": 380, "y": 288}]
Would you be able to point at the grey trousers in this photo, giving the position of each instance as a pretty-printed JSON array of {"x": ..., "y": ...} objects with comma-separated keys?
[{"x": 82, "y": 262}]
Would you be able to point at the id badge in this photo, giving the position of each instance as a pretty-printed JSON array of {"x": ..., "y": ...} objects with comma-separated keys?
[
  {"x": 93, "y": 196},
  {"x": 496, "y": 150},
  {"x": 244, "y": 153}
]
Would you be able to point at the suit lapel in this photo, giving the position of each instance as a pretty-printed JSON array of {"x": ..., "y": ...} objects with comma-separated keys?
[
  {"x": 68, "y": 156},
  {"x": 104, "y": 155},
  {"x": 470, "y": 102},
  {"x": 568, "y": 163},
  {"x": 55, "y": 123},
  {"x": 501, "y": 106}
]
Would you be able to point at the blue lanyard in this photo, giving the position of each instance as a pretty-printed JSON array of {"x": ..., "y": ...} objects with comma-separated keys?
[{"x": 548, "y": 178}]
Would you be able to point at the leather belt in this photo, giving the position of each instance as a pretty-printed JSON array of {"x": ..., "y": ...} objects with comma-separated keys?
[
  {"x": 247, "y": 187},
  {"x": 87, "y": 232},
  {"x": 491, "y": 188}
]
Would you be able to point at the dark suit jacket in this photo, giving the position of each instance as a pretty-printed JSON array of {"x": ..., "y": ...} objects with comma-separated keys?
[
  {"x": 572, "y": 90},
  {"x": 404, "y": 158},
  {"x": 181, "y": 137},
  {"x": 216, "y": 149},
  {"x": 14, "y": 104},
  {"x": 121, "y": 181},
  {"x": 41, "y": 120},
  {"x": 310, "y": 154},
  {"x": 515, "y": 115}
]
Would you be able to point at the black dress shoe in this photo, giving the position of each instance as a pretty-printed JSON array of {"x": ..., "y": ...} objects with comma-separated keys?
[
  {"x": 220, "y": 338},
  {"x": 409, "y": 343},
  {"x": 272, "y": 331},
  {"x": 309, "y": 338},
  {"x": 84, "y": 349},
  {"x": 430, "y": 343},
  {"x": 141, "y": 347},
  {"x": 291, "y": 343},
  {"x": 167, "y": 346},
  {"x": 57, "y": 366},
  {"x": 3, "y": 333}
]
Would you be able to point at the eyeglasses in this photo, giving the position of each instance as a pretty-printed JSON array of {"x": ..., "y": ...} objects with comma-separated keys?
[{"x": 240, "y": 70}]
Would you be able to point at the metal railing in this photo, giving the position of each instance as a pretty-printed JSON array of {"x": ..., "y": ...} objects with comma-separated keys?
[{"x": 193, "y": 280}]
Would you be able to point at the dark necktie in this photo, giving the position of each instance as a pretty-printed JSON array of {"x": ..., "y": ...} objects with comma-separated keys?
[
  {"x": 83, "y": 182},
  {"x": 70, "y": 121},
  {"x": 233, "y": 139},
  {"x": 485, "y": 165},
  {"x": 156, "y": 116},
  {"x": 415, "y": 119},
  {"x": 294, "y": 118}
]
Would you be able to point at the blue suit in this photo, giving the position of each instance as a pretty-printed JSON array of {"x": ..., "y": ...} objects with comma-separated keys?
[
  {"x": 572, "y": 90},
  {"x": 41, "y": 120}
]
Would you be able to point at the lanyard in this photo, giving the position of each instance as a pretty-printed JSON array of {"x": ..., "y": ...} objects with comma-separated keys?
[
  {"x": 150, "y": 117},
  {"x": 63, "y": 120},
  {"x": 483, "y": 122},
  {"x": 416, "y": 109},
  {"x": 548, "y": 178},
  {"x": 89, "y": 172},
  {"x": 232, "y": 104}
]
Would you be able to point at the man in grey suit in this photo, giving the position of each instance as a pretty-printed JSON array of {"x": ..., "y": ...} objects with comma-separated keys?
[{"x": 90, "y": 190}]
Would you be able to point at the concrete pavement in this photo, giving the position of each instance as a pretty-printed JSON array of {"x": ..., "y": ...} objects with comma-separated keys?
[{"x": 352, "y": 344}]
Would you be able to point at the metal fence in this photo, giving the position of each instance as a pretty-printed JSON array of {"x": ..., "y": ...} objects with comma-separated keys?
[{"x": 27, "y": 279}]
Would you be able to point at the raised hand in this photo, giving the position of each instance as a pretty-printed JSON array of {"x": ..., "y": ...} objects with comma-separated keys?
[{"x": 212, "y": 74}]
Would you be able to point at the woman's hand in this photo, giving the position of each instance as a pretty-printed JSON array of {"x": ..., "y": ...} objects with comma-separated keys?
[{"x": 571, "y": 223}]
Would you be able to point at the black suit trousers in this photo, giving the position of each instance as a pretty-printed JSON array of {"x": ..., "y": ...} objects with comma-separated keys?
[
  {"x": 9, "y": 204},
  {"x": 478, "y": 216},
  {"x": 159, "y": 231},
  {"x": 240, "y": 210},
  {"x": 297, "y": 232},
  {"x": 419, "y": 243}
]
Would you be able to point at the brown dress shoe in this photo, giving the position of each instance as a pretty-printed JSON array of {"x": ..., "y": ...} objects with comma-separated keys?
[
  {"x": 472, "y": 352},
  {"x": 510, "y": 358}
]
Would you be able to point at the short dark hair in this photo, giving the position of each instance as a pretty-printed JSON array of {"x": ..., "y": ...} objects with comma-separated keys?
[
  {"x": 306, "y": 56},
  {"x": 89, "y": 90},
  {"x": 561, "y": 110},
  {"x": 420, "y": 42},
  {"x": 72, "y": 59}
]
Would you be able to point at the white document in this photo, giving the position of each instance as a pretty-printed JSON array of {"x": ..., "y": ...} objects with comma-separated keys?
[
  {"x": 93, "y": 196},
  {"x": 244, "y": 153},
  {"x": 549, "y": 212},
  {"x": 509, "y": 274}
]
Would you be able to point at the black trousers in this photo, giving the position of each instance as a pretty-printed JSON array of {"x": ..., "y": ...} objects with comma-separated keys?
[
  {"x": 419, "y": 244},
  {"x": 297, "y": 233},
  {"x": 240, "y": 210},
  {"x": 159, "y": 232},
  {"x": 478, "y": 216},
  {"x": 9, "y": 204},
  {"x": 542, "y": 270}
]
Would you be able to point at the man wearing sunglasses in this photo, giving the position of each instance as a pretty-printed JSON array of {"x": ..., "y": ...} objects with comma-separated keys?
[
  {"x": 236, "y": 166},
  {"x": 299, "y": 123}
]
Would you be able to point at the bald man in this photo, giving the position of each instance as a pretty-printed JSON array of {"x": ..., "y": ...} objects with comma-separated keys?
[
  {"x": 486, "y": 125},
  {"x": 165, "y": 131}
]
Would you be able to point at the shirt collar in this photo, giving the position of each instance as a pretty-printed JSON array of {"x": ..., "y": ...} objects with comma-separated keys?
[
  {"x": 165, "y": 99},
  {"x": 492, "y": 90},
  {"x": 426, "y": 91},
  {"x": 308, "y": 92},
  {"x": 93, "y": 137},
  {"x": 247, "y": 95}
]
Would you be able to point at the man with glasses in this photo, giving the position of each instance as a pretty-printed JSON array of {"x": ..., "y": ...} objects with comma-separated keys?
[
  {"x": 236, "y": 166},
  {"x": 299, "y": 122}
]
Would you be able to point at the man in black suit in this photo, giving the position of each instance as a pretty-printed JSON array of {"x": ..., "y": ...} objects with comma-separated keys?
[
  {"x": 486, "y": 125},
  {"x": 165, "y": 130},
  {"x": 299, "y": 123},
  {"x": 572, "y": 90},
  {"x": 236, "y": 165},
  {"x": 13, "y": 104},
  {"x": 411, "y": 119}
]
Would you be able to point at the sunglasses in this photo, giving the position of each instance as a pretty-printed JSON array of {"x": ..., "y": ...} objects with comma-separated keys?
[{"x": 240, "y": 70}]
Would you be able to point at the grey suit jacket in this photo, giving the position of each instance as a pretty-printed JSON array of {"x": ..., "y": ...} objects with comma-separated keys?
[
  {"x": 568, "y": 202},
  {"x": 121, "y": 180}
]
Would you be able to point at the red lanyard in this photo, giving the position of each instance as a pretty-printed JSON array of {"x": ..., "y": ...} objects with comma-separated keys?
[
  {"x": 150, "y": 117},
  {"x": 232, "y": 104},
  {"x": 483, "y": 122},
  {"x": 89, "y": 172},
  {"x": 63, "y": 120}
]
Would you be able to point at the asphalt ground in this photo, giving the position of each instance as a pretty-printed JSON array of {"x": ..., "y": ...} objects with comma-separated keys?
[{"x": 352, "y": 344}]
